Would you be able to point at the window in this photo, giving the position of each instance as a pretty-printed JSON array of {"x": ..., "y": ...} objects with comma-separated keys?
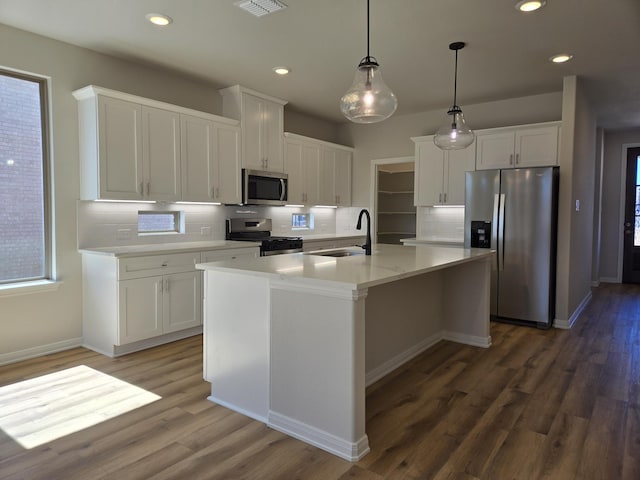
[
  {"x": 160, "y": 222},
  {"x": 301, "y": 221},
  {"x": 25, "y": 227}
]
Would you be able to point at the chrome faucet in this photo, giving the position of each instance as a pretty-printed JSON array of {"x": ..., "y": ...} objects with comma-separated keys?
[{"x": 367, "y": 245}]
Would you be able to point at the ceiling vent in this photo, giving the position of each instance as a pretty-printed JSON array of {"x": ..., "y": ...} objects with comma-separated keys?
[{"x": 260, "y": 8}]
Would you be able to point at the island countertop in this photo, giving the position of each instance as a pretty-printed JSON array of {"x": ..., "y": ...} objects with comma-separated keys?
[{"x": 388, "y": 263}]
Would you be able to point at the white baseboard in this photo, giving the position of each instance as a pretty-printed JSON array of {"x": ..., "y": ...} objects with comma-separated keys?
[
  {"x": 567, "y": 324},
  {"x": 351, "y": 451},
  {"x": 610, "y": 280},
  {"x": 473, "y": 340},
  {"x": 12, "y": 357},
  {"x": 246, "y": 413},
  {"x": 393, "y": 363}
]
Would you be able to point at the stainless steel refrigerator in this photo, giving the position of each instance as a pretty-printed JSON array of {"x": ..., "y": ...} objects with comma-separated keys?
[{"x": 514, "y": 212}]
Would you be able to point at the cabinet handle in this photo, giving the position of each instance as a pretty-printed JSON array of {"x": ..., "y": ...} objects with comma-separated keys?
[
  {"x": 511, "y": 159},
  {"x": 517, "y": 158},
  {"x": 445, "y": 197},
  {"x": 164, "y": 264},
  {"x": 440, "y": 198}
]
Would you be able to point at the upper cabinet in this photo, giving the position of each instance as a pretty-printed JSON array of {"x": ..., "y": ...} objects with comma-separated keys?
[
  {"x": 521, "y": 146},
  {"x": 262, "y": 122},
  {"x": 210, "y": 160},
  {"x": 439, "y": 174},
  {"x": 133, "y": 148},
  {"x": 319, "y": 172}
]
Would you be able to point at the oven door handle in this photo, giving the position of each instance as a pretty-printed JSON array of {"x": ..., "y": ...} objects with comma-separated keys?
[{"x": 283, "y": 190}]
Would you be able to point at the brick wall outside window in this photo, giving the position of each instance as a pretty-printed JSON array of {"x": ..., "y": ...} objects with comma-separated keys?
[{"x": 22, "y": 213}]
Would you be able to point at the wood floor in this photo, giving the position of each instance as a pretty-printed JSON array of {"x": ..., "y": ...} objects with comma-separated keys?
[{"x": 537, "y": 404}]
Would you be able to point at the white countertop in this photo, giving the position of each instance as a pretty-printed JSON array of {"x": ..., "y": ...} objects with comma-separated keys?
[
  {"x": 387, "y": 263},
  {"x": 164, "y": 248},
  {"x": 319, "y": 237},
  {"x": 433, "y": 240}
]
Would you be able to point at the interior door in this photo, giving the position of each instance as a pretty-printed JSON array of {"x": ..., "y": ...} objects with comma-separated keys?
[{"x": 631, "y": 256}]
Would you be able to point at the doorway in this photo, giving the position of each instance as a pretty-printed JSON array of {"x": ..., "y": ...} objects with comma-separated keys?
[
  {"x": 631, "y": 249},
  {"x": 393, "y": 204}
]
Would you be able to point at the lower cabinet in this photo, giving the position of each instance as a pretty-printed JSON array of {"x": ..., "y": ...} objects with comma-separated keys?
[
  {"x": 133, "y": 303},
  {"x": 154, "y": 306}
]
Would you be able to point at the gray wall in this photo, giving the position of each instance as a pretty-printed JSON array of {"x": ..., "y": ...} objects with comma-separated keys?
[
  {"x": 612, "y": 193},
  {"x": 37, "y": 321},
  {"x": 577, "y": 179}
]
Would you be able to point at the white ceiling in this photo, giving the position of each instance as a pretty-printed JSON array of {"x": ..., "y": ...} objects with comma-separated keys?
[{"x": 322, "y": 41}]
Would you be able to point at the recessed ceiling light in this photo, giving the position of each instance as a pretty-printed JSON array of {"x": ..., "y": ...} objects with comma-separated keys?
[
  {"x": 281, "y": 70},
  {"x": 159, "y": 19},
  {"x": 561, "y": 58},
  {"x": 530, "y": 5}
]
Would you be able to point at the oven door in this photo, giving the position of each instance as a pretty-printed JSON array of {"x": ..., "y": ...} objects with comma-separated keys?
[{"x": 264, "y": 188}]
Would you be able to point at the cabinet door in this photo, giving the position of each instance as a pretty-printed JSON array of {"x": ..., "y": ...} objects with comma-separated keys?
[
  {"x": 197, "y": 159},
  {"x": 120, "y": 149},
  {"x": 252, "y": 150},
  {"x": 227, "y": 155},
  {"x": 458, "y": 162},
  {"x": 182, "y": 301},
  {"x": 295, "y": 172},
  {"x": 429, "y": 174},
  {"x": 139, "y": 309},
  {"x": 311, "y": 164},
  {"x": 272, "y": 128},
  {"x": 495, "y": 150},
  {"x": 326, "y": 177},
  {"x": 161, "y": 153},
  {"x": 536, "y": 147},
  {"x": 342, "y": 176}
]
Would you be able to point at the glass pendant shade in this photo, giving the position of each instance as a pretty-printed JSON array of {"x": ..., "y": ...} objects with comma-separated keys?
[
  {"x": 369, "y": 99},
  {"x": 454, "y": 134}
]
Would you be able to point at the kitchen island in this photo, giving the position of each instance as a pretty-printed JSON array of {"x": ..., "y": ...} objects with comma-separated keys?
[{"x": 293, "y": 340}]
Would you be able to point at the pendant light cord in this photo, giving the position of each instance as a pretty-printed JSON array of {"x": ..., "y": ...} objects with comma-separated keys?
[
  {"x": 455, "y": 81},
  {"x": 368, "y": 56}
]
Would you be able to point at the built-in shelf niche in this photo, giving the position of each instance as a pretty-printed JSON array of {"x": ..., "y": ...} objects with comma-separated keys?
[{"x": 396, "y": 213}]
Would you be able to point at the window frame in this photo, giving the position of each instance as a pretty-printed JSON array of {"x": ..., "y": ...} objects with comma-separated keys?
[{"x": 47, "y": 185}]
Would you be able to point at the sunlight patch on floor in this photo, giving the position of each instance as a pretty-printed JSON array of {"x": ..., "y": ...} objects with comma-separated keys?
[{"x": 42, "y": 409}]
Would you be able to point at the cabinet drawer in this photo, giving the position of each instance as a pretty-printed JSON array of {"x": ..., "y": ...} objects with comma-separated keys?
[
  {"x": 139, "y": 267},
  {"x": 229, "y": 254}
]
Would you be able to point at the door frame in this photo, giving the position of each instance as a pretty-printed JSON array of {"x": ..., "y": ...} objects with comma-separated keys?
[
  {"x": 623, "y": 191},
  {"x": 373, "y": 189}
]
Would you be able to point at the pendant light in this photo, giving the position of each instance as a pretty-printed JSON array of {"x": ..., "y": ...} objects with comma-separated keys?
[
  {"x": 369, "y": 99},
  {"x": 454, "y": 134}
]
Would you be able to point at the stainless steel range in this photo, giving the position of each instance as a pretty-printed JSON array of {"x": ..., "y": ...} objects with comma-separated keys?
[{"x": 259, "y": 230}]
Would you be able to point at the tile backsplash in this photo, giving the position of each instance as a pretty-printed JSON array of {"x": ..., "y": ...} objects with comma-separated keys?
[
  {"x": 109, "y": 224},
  {"x": 440, "y": 223}
]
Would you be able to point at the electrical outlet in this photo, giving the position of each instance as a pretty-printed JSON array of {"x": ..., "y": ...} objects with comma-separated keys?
[
  {"x": 205, "y": 231},
  {"x": 577, "y": 205},
  {"x": 123, "y": 234}
]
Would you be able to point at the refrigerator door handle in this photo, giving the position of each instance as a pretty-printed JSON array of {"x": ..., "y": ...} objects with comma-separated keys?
[
  {"x": 501, "y": 233},
  {"x": 494, "y": 233}
]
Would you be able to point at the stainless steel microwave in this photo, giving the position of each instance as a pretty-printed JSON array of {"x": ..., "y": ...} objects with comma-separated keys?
[{"x": 264, "y": 188}]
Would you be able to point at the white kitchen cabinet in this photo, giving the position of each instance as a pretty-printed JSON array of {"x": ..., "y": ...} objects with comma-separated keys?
[
  {"x": 439, "y": 174},
  {"x": 112, "y": 130},
  {"x": 131, "y": 148},
  {"x": 161, "y": 154},
  {"x": 521, "y": 146},
  {"x": 302, "y": 163},
  {"x": 320, "y": 167},
  {"x": 136, "y": 302},
  {"x": 210, "y": 153},
  {"x": 262, "y": 123}
]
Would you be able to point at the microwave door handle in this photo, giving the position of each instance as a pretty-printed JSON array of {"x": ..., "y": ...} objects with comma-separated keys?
[{"x": 283, "y": 190}]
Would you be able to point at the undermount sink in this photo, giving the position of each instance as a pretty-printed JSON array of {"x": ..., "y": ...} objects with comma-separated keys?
[{"x": 337, "y": 253}]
